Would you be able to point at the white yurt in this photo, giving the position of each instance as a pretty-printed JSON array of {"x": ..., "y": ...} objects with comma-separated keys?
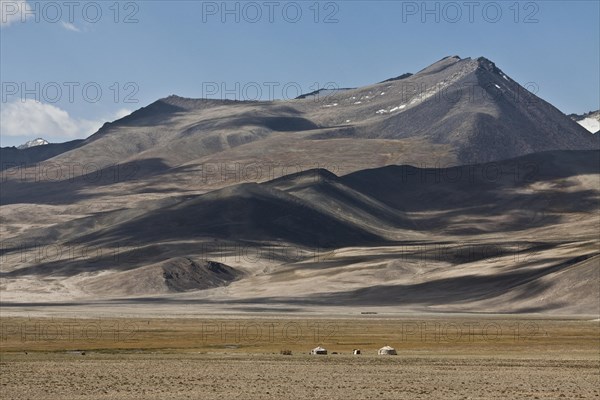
[
  {"x": 387, "y": 351},
  {"x": 319, "y": 350}
]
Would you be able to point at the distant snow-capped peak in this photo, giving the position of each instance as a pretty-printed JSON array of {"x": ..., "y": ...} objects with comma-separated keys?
[
  {"x": 590, "y": 121},
  {"x": 33, "y": 143}
]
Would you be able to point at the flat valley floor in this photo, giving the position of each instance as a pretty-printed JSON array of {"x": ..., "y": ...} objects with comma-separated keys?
[{"x": 238, "y": 356}]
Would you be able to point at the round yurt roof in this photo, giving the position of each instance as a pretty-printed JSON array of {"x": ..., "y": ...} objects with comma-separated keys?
[
  {"x": 319, "y": 348},
  {"x": 386, "y": 348}
]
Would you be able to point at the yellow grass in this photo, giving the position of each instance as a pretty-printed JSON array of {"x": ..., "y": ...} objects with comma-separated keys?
[{"x": 453, "y": 335}]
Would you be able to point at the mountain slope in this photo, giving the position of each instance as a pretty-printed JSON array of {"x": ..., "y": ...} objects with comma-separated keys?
[
  {"x": 13, "y": 157},
  {"x": 170, "y": 276},
  {"x": 507, "y": 236},
  {"x": 464, "y": 110}
]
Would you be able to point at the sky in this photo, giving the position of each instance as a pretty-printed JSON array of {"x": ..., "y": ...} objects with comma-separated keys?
[{"x": 66, "y": 67}]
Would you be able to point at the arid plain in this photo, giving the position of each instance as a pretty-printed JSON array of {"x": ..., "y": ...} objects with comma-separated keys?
[{"x": 439, "y": 356}]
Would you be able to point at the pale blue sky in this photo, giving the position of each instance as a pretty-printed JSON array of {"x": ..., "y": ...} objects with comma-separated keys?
[{"x": 181, "y": 47}]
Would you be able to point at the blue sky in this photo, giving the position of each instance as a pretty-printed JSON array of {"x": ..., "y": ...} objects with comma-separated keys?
[{"x": 151, "y": 49}]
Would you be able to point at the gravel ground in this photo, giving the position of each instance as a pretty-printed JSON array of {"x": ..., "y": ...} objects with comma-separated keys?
[{"x": 227, "y": 376}]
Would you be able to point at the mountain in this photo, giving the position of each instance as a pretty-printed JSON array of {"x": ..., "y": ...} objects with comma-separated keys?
[
  {"x": 20, "y": 159},
  {"x": 486, "y": 237},
  {"x": 453, "y": 112},
  {"x": 452, "y": 189},
  {"x": 589, "y": 120},
  {"x": 33, "y": 143}
]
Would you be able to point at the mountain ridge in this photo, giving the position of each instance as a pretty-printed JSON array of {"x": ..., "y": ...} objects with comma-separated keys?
[
  {"x": 460, "y": 110},
  {"x": 455, "y": 239}
]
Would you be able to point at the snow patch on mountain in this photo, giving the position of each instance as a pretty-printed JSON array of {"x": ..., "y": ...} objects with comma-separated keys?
[
  {"x": 590, "y": 120},
  {"x": 591, "y": 124}
]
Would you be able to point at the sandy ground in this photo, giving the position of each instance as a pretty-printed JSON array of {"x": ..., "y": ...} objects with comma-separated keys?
[
  {"x": 98, "y": 376},
  {"x": 440, "y": 357}
]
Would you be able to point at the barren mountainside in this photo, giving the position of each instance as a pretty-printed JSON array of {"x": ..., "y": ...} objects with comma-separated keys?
[
  {"x": 459, "y": 110},
  {"x": 453, "y": 189},
  {"x": 476, "y": 237}
]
